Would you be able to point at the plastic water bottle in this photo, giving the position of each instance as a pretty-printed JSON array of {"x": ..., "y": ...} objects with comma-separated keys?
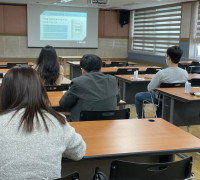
[
  {"x": 187, "y": 87},
  {"x": 136, "y": 75}
]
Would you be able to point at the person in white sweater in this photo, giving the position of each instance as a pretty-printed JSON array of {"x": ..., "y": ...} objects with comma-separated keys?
[
  {"x": 172, "y": 74},
  {"x": 33, "y": 136}
]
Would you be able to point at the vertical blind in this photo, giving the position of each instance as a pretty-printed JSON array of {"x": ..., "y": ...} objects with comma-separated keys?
[
  {"x": 156, "y": 29},
  {"x": 198, "y": 26}
]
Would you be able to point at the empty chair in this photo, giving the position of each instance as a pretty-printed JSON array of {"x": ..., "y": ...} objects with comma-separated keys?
[
  {"x": 10, "y": 65},
  {"x": 195, "y": 63},
  {"x": 195, "y": 69},
  {"x": 72, "y": 176},
  {"x": 195, "y": 82},
  {"x": 104, "y": 115},
  {"x": 121, "y": 71},
  {"x": 151, "y": 71},
  {"x": 176, "y": 170},
  {"x": 115, "y": 64},
  {"x": 124, "y": 64},
  {"x": 185, "y": 66},
  {"x": 1, "y": 75},
  {"x": 103, "y": 64},
  {"x": 3, "y": 66},
  {"x": 62, "y": 87}
]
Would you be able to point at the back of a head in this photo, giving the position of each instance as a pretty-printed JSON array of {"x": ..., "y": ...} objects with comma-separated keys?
[
  {"x": 91, "y": 62},
  {"x": 175, "y": 54},
  {"x": 48, "y": 66},
  {"x": 22, "y": 87}
]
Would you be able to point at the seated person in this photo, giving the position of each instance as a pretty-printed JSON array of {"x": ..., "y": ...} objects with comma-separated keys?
[
  {"x": 172, "y": 74},
  {"x": 33, "y": 135},
  {"x": 93, "y": 91},
  {"x": 48, "y": 67}
]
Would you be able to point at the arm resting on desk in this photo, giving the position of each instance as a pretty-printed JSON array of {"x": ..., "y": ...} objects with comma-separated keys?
[{"x": 75, "y": 145}]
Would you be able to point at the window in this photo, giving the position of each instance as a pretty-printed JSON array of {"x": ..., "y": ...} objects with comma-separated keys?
[
  {"x": 198, "y": 34},
  {"x": 155, "y": 29}
]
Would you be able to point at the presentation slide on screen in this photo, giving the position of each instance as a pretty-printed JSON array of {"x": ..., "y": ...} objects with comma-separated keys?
[
  {"x": 68, "y": 27},
  {"x": 57, "y": 25}
]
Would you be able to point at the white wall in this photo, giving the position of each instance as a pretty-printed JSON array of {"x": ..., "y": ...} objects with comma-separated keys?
[{"x": 16, "y": 47}]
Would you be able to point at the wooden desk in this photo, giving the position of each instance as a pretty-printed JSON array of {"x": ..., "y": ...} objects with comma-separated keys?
[
  {"x": 64, "y": 59},
  {"x": 127, "y": 139},
  {"x": 179, "y": 108},
  {"x": 4, "y": 70},
  {"x": 55, "y": 96},
  {"x": 129, "y": 87},
  {"x": 5, "y": 63},
  {"x": 75, "y": 69}
]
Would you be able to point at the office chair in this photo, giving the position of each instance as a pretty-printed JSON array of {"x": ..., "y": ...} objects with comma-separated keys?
[
  {"x": 194, "y": 63},
  {"x": 105, "y": 115},
  {"x": 151, "y": 71},
  {"x": 10, "y": 65},
  {"x": 72, "y": 176},
  {"x": 1, "y": 75},
  {"x": 3, "y": 66},
  {"x": 185, "y": 66},
  {"x": 195, "y": 82},
  {"x": 176, "y": 170},
  {"x": 195, "y": 69},
  {"x": 159, "y": 96},
  {"x": 115, "y": 64},
  {"x": 126, "y": 71},
  {"x": 62, "y": 87}
]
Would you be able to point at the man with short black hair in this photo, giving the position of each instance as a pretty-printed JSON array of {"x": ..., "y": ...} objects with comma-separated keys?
[
  {"x": 172, "y": 74},
  {"x": 93, "y": 91}
]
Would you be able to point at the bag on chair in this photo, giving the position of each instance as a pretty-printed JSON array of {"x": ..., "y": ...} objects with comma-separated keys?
[{"x": 99, "y": 175}]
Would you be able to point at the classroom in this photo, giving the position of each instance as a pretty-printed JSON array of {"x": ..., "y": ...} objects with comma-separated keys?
[{"x": 125, "y": 75}]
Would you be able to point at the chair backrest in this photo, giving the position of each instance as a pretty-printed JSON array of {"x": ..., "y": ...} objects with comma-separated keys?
[
  {"x": 72, "y": 176},
  {"x": 10, "y": 65},
  {"x": 126, "y": 71},
  {"x": 1, "y": 75},
  {"x": 114, "y": 64},
  {"x": 169, "y": 85},
  {"x": 185, "y": 66},
  {"x": 176, "y": 170},
  {"x": 62, "y": 87},
  {"x": 3, "y": 66},
  {"x": 195, "y": 82},
  {"x": 195, "y": 63},
  {"x": 194, "y": 69},
  {"x": 151, "y": 71},
  {"x": 105, "y": 115}
]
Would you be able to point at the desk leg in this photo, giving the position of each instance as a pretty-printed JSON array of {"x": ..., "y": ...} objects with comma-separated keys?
[
  {"x": 124, "y": 90},
  {"x": 163, "y": 105},
  {"x": 71, "y": 72},
  {"x": 171, "y": 119},
  {"x": 64, "y": 63}
]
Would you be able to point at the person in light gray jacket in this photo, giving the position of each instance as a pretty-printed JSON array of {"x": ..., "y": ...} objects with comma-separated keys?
[
  {"x": 33, "y": 136},
  {"x": 172, "y": 74},
  {"x": 93, "y": 91}
]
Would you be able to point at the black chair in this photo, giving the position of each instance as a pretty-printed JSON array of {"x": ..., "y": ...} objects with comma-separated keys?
[
  {"x": 176, "y": 170},
  {"x": 3, "y": 66},
  {"x": 1, "y": 75},
  {"x": 195, "y": 63},
  {"x": 10, "y": 65},
  {"x": 62, "y": 87},
  {"x": 126, "y": 71},
  {"x": 73, "y": 176},
  {"x": 115, "y": 64},
  {"x": 105, "y": 115},
  {"x": 151, "y": 71},
  {"x": 170, "y": 85},
  {"x": 185, "y": 66},
  {"x": 195, "y": 82},
  {"x": 195, "y": 69}
]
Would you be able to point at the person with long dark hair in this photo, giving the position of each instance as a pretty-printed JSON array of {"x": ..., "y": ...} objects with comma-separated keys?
[
  {"x": 33, "y": 136},
  {"x": 48, "y": 67}
]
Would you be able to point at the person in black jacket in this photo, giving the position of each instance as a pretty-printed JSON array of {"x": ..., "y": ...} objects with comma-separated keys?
[{"x": 93, "y": 91}]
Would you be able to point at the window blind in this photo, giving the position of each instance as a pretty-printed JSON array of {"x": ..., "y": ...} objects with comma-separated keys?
[
  {"x": 198, "y": 26},
  {"x": 156, "y": 29}
]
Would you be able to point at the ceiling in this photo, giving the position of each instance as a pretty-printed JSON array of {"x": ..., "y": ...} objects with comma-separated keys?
[{"x": 112, "y": 4}]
